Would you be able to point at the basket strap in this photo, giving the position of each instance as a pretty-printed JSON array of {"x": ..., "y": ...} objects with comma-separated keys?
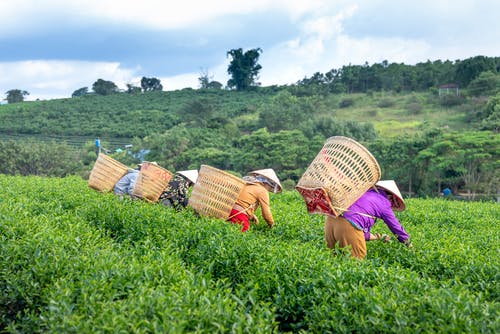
[
  {"x": 241, "y": 211},
  {"x": 359, "y": 213}
]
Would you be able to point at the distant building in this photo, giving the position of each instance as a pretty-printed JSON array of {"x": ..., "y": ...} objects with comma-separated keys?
[{"x": 449, "y": 89}]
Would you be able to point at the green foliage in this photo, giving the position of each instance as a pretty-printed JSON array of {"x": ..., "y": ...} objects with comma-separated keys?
[
  {"x": 80, "y": 92},
  {"x": 487, "y": 83},
  {"x": 186, "y": 128},
  {"x": 151, "y": 84},
  {"x": 284, "y": 111},
  {"x": 491, "y": 115},
  {"x": 78, "y": 261},
  {"x": 451, "y": 100},
  {"x": 469, "y": 69},
  {"x": 16, "y": 95},
  {"x": 131, "y": 89},
  {"x": 38, "y": 158},
  {"x": 385, "y": 103},
  {"x": 243, "y": 68},
  {"x": 104, "y": 87},
  {"x": 346, "y": 103}
]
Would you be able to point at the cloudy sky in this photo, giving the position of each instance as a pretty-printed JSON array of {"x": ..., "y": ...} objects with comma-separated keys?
[{"x": 51, "y": 48}]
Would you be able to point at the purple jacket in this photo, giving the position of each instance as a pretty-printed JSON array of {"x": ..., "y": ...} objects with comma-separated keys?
[{"x": 375, "y": 204}]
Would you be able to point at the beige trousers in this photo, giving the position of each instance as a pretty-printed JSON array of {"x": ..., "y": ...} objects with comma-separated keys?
[{"x": 341, "y": 231}]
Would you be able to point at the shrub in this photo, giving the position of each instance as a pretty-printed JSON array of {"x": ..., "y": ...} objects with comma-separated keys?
[
  {"x": 414, "y": 108},
  {"x": 347, "y": 102},
  {"x": 386, "y": 103}
]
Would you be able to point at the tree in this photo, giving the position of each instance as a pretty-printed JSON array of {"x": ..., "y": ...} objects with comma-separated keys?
[
  {"x": 487, "y": 83},
  {"x": 214, "y": 85},
  {"x": 151, "y": 84},
  {"x": 132, "y": 89},
  {"x": 470, "y": 68},
  {"x": 243, "y": 68},
  {"x": 16, "y": 95},
  {"x": 491, "y": 114},
  {"x": 103, "y": 87},
  {"x": 204, "y": 79},
  {"x": 284, "y": 112},
  {"x": 30, "y": 157},
  {"x": 80, "y": 92}
]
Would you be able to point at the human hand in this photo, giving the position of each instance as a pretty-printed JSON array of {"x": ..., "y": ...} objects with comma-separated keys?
[
  {"x": 385, "y": 238},
  {"x": 382, "y": 237},
  {"x": 408, "y": 243}
]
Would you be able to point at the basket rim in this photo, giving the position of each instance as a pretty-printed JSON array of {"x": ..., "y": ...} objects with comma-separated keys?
[
  {"x": 214, "y": 169},
  {"x": 365, "y": 150}
]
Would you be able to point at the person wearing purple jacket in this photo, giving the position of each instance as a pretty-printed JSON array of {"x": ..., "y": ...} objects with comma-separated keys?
[{"x": 352, "y": 228}]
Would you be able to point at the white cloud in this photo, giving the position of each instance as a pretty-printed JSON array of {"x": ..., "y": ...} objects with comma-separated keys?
[
  {"x": 330, "y": 34},
  {"x": 155, "y": 14},
  {"x": 58, "y": 79},
  {"x": 180, "y": 81}
]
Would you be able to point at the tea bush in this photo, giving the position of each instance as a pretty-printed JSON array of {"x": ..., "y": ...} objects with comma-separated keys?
[{"x": 77, "y": 261}]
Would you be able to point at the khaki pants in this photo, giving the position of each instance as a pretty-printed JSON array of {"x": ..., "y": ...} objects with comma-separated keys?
[{"x": 341, "y": 231}]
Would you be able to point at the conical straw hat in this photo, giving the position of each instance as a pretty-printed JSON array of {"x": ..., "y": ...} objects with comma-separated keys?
[
  {"x": 391, "y": 187},
  {"x": 270, "y": 174},
  {"x": 191, "y": 175}
]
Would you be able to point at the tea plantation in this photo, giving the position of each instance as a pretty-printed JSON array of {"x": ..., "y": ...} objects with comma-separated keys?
[{"x": 73, "y": 260}]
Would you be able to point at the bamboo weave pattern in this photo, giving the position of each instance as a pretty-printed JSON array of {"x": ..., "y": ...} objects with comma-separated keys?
[
  {"x": 215, "y": 192},
  {"x": 344, "y": 169},
  {"x": 151, "y": 182},
  {"x": 105, "y": 173}
]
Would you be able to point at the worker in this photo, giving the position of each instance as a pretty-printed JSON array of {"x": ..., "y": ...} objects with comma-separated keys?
[
  {"x": 255, "y": 193},
  {"x": 176, "y": 193},
  {"x": 353, "y": 227}
]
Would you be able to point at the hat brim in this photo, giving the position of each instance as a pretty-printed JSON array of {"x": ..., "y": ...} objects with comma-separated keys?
[
  {"x": 270, "y": 175},
  {"x": 390, "y": 187}
]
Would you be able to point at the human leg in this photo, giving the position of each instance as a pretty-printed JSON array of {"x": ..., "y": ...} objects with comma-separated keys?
[{"x": 348, "y": 235}]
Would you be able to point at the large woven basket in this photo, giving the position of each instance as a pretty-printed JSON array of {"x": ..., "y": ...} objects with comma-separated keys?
[
  {"x": 105, "y": 173},
  {"x": 151, "y": 182},
  {"x": 215, "y": 192},
  {"x": 341, "y": 172}
]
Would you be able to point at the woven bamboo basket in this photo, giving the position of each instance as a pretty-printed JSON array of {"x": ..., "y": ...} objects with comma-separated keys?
[
  {"x": 341, "y": 172},
  {"x": 215, "y": 192},
  {"x": 151, "y": 182},
  {"x": 105, "y": 173}
]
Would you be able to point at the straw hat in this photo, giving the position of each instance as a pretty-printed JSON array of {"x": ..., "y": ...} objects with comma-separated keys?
[
  {"x": 391, "y": 187},
  {"x": 191, "y": 175},
  {"x": 270, "y": 174}
]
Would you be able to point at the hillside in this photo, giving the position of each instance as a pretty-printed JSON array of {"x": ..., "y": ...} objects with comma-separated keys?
[
  {"x": 267, "y": 127},
  {"x": 127, "y": 116}
]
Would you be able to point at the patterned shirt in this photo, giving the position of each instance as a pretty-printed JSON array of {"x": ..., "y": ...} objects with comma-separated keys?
[{"x": 176, "y": 193}]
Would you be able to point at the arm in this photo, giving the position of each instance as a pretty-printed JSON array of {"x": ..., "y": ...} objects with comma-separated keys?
[
  {"x": 266, "y": 209},
  {"x": 394, "y": 225}
]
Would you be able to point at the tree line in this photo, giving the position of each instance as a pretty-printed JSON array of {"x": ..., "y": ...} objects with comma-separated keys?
[
  {"x": 243, "y": 68},
  {"x": 284, "y": 133},
  {"x": 480, "y": 71},
  {"x": 280, "y": 127}
]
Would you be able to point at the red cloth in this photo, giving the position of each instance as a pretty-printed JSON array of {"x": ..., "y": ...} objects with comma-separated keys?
[
  {"x": 317, "y": 201},
  {"x": 237, "y": 217}
]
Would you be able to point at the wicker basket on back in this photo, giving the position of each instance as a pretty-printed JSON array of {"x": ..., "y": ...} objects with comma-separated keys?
[
  {"x": 151, "y": 182},
  {"x": 341, "y": 172},
  {"x": 215, "y": 192},
  {"x": 105, "y": 173}
]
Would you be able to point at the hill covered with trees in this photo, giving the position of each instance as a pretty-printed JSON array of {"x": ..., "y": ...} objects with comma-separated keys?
[{"x": 425, "y": 134}]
